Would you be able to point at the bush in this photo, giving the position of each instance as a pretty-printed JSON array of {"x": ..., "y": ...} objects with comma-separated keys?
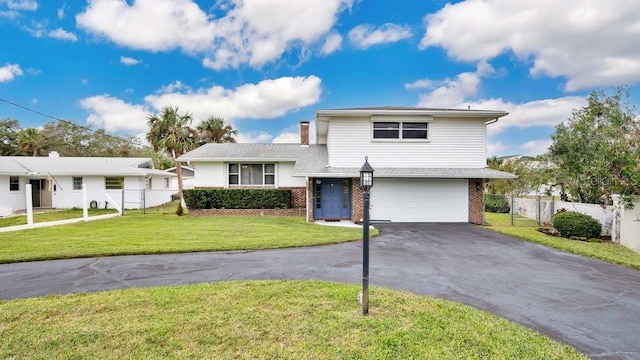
[
  {"x": 497, "y": 204},
  {"x": 237, "y": 198},
  {"x": 571, "y": 223}
]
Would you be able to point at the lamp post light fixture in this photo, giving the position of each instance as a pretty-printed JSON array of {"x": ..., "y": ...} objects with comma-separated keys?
[{"x": 366, "y": 183}]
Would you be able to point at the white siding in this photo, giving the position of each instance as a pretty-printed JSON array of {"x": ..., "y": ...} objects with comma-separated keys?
[
  {"x": 209, "y": 174},
  {"x": 214, "y": 174},
  {"x": 452, "y": 143},
  {"x": 285, "y": 178},
  {"x": 16, "y": 200}
]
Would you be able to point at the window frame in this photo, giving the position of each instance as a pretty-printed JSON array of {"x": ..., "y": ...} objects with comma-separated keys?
[
  {"x": 234, "y": 171},
  {"x": 401, "y": 129},
  {"x": 73, "y": 182},
  {"x": 108, "y": 186},
  {"x": 14, "y": 183}
]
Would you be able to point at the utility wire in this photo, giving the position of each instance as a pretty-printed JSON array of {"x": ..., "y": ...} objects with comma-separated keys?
[{"x": 72, "y": 123}]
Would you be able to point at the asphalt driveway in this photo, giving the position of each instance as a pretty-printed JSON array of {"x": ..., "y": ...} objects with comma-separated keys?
[{"x": 593, "y": 306}]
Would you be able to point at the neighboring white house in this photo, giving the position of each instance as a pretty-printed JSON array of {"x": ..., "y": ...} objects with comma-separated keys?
[
  {"x": 56, "y": 182},
  {"x": 188, "y": 176},
  {"x": 430, "y": 164}
]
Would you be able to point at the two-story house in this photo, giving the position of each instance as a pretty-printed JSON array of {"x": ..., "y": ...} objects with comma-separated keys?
[{"x": 430, "y": 164}]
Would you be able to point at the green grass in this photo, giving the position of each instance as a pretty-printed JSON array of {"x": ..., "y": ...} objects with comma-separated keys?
[
  {"x": 527, "y": 229},
  {"x": 52, "y": 215},
  {"x": 261, "y": 320},
  {"x": 161, "y": 231}
]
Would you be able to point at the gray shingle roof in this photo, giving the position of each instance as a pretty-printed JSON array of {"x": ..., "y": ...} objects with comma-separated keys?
[
  {"x": 313, "y": 161},
  {"x": 78, "y": 166}
]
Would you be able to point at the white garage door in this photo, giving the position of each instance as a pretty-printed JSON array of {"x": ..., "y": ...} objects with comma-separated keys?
[{"x": 420, "y": 200}]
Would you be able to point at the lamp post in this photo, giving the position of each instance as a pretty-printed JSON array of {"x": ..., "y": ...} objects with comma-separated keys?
[{"x": 366, "y": 182}]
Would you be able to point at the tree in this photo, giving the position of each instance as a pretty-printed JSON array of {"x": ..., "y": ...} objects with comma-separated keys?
[
  {"x": 595, "y": 153},
  {"x": 527, "y": 170},
  {"x": 9, "y": 129},
  {"x": 214, "y": 130},
  {"x": 169, "y": 131},
  {"x": 31, "y": 142}
]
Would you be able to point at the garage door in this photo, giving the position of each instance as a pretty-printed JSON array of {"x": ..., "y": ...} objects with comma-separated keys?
[{"x": 420, "y": 200}]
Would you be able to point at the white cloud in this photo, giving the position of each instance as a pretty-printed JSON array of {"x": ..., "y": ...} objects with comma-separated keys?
[
  {"x": 365, "y": 35},
  {"x": 536, "y": 147},
  {"x": 173, "y": 87},
  {"x": 30, "y": 5},
  {"x": 62, "y": 35},
  {"x": 253, "y": 137},
  {"x": 287, "y": 138},
  {"x": 252, "y": 32},
  {"x": 9, "y": 72},
  {"x": 495, "y": 148},
  {"x": 588, "y": 42},
  {"x": 61, "y": 12},
  {"x": 156, "y": 25},
  {"x": 420, "y": 84},
  {"x": 332, "y": 43},
  {"x": 113, "y": 114},
  {"x": 125, "y": 60},
  {"x": 451, "y": 92},
  {"x": 266, "y": 99}
]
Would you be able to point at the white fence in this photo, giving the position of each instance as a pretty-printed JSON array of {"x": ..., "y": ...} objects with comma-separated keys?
[{"x": 543, "y": 211}]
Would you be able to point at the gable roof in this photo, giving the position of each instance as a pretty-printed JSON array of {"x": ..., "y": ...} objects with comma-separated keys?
[
  {"x": 78, "y": 166},
  {"x": 229, "y": 152}
]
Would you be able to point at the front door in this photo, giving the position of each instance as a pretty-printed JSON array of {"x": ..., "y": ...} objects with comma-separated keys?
[
  {"x": 332, "y": 199},
  {"x": 35, "y": 192}
]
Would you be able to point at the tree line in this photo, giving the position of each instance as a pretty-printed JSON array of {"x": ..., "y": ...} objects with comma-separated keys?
[
  {"x": 71, "y": 139},
  {"x": 593, "y": 155}
]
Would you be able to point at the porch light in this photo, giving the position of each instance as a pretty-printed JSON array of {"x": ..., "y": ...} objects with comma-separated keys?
[{"x": 366, "y": 183}]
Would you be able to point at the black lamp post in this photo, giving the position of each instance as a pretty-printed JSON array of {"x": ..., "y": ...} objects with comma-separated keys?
[{"x": 366, "y": 182}]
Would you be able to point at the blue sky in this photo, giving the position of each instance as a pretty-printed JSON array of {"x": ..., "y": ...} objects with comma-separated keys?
[{"x": 264, "y": 65}]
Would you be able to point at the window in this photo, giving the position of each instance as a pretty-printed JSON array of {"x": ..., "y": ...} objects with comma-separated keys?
[
  {"x": 252, "y": 174},
  {"x": 148, "y": 183},
  {"x": 167, "y": 182},
  {"x": 14, "y": 183},
  {"x": 114, "y": 183},
  {"x": 400, "y": 130},
  {"x": 77, "y": 183}
]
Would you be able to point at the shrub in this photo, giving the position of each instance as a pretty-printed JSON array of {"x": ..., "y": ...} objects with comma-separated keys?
[
  {"x": 571, "y": 223},
  {"x": 237, "y": 198},
  {"x": 497, "y": 204}
]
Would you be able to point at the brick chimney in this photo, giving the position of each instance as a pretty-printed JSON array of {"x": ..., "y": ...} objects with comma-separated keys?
[{"x": 304, "y": 133}]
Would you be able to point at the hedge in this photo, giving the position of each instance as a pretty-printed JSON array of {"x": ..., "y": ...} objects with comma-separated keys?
[
  {"x": 237, "y": 198},
  {"x": 496, "y": 204}
]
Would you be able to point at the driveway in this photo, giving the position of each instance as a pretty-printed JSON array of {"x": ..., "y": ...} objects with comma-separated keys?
[{"x": 593, "y": 306}]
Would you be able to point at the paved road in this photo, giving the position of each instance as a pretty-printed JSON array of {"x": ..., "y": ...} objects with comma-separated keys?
[{"x": 589, "y": 304}]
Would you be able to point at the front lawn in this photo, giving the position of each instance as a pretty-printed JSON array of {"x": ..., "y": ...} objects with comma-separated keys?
[
  {"x": 163, "y": 232},
  {"x": 52, "y": 215},
  {"x": 261, "y": 320},
  {"x": 527, "y": 229}
]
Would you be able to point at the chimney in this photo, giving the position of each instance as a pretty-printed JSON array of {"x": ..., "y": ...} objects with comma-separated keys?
[
  {"x": 54, "y": 154},
  {"x": 304, "y": 133}
]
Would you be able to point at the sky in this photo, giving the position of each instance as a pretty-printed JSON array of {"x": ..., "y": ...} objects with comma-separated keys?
[{"x": 264, "y": 65}]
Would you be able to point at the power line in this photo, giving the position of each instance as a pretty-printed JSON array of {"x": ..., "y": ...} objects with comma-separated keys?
[{"x": 72, "y": 123}]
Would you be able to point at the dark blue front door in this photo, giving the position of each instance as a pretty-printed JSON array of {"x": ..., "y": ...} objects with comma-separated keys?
[{"x": 332, "y": 199}]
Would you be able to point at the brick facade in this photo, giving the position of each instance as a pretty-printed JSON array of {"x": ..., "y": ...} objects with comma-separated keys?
[
  {"x": 476, "y": 201},
  {"x": 357, "y": 211}
]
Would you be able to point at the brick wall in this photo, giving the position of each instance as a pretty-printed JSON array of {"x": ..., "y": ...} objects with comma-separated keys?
[
  {"x": 310, "y": 200},
  {"x": 357, "y": 213},
  {"x": 476, "y": 201}
]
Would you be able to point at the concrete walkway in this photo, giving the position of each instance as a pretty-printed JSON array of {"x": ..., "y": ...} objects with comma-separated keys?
[{"x": 591, "y": 305}]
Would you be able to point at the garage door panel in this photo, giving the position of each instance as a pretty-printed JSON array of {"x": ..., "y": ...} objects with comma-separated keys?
[{"x": 420, "y": 200}]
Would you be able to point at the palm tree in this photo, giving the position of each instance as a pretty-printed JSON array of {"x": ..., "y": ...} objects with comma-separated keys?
[
  {"x": 214, "y": 130},
  {"x": 31, "y": 141},
  {"x": 170, "y": 132}
]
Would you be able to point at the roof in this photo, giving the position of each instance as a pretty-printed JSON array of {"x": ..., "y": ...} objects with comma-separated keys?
[
  {"x": 403, "y": 110},
  {"x": 78, "y": 166},
  {"x": 312, "y": 161},
  {"x": 433, "y": 173},
  {"x": 258, "y": 152}
]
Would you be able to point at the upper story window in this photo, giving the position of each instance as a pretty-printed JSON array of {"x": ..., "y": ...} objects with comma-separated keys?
[
  {"x": 400, "y": 130},
  {"x": 252, "y": 174},
  {"x": 14, "y": 183}
]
